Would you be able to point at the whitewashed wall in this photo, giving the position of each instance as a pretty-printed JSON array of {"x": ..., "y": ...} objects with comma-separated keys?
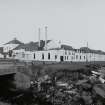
[
  {"x": 1, "y": 55},
  {"x": 8, "y": 47},
  {"x": 53, "y": 53},
  {"x": 80, "y": 57},
  {"x": 68, "y": 55},
  {"x": 22, "y": 54}
]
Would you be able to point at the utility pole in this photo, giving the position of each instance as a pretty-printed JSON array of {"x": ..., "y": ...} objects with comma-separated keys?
[
  {"x": 46, "y": 38},
  {"x": 39, "y": 37},
  {"x": 87, "y": 53}
]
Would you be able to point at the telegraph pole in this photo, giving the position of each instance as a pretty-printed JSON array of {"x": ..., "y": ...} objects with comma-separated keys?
[
  {"x": 46, "y": 37},
  {"x": 87, "y": 53},
  {"x": 39, "y": 37}
]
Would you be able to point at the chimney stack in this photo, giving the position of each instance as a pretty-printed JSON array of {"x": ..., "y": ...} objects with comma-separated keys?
[
  {"x": 39, "y": 36},
  {"x": 46, "y": 38}
]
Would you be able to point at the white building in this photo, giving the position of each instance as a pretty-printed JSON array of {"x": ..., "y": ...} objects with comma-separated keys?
[
  {"x": 1, "y": 55},
  {"x": 53, "y": 44},
  {"x": 11, "y": 45},
  {"x": 57, "y": 52}
]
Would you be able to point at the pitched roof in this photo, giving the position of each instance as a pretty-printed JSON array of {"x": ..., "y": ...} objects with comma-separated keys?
[
  {"x": 85, "y": 49},
  {"x": 66, "y": 47},
  {"x": 14, "y": 41},
  {"x": 88, "y": 50},
  {"x": 31, "y": 46},
  {"x": 28, "y": 47}
]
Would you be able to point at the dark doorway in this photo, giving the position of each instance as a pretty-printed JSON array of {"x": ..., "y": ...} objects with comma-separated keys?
[{"x": 61, "y": 58}]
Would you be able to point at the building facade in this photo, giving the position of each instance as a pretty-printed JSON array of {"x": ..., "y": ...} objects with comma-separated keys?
[{"x": 55, "y": 52}]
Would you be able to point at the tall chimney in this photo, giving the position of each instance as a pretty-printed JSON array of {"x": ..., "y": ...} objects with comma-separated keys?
[
  {"x": 46, "y": 38},
  {"x": 39, "y": 37}
]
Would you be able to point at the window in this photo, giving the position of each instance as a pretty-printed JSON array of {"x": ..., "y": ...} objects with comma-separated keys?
[
  {"x": 34, "y": 55},
  {"x": 84, "y": 57},
  {"x": 76, "y": 50},
  {"x": 65, "y": 57},
  {"x": 42, "y": 56},
  {"x": 80, "y": 57},
  {"x": 48, "y": 55},
  {"x": 55, "y": 56},
  {"x": 23, "y": 55},
  {"x": 25, "y": 49},
  {"x": 10, "y": 53},
  {"x": 76, "y": 56},
  {"x": 69, "y": 53},
  {"x": 72, "y": 57},
  {"x": 27, "y": 55},
  {"x": 65, "y": 52}
]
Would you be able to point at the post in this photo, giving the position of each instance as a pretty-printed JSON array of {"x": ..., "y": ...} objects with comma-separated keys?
[
  {"x": 46, "y": 38},
  {"x": 39, "y": 36},
  {"x": 87, "y": 53}
]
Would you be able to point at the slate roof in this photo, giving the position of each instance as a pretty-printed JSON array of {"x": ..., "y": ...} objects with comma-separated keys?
[
  {"x": 88, "y": 50},
  {"x": 66, "y": 47},
  {"x": 14, "y": 41},
  {"x": 85, "y": 49},
  {"x": 32, "y": 46}
]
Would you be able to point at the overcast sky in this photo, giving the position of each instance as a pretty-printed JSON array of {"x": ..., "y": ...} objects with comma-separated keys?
[{"x": 74, "y": 22}]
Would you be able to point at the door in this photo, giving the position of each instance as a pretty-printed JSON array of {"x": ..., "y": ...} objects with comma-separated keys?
[{"x": 61, "y": 58}]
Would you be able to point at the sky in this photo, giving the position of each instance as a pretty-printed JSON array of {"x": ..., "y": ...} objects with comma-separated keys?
[{"x": 73, "y": 22}]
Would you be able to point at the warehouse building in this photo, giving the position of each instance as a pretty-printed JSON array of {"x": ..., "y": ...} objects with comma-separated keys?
[
  {"x": 50, "y": 50},
  {"x": 56, "y": 52}
]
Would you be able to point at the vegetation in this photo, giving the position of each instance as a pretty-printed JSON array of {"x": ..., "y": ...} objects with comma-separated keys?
[{"x": 58, "y": 84}]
